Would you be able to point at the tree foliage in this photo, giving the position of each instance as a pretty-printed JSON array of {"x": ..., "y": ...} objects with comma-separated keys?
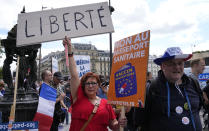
[
  {"x": 1, "y": 53},
  {"x": 1, "y": 49},
  {"x": 1, "y": 76}
]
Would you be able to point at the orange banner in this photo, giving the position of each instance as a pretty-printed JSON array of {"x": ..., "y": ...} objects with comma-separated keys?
[{"x": 129, "y": 68}]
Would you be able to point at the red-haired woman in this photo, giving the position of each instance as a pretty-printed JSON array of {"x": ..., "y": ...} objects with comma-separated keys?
[{"x": 84, "y": 100}]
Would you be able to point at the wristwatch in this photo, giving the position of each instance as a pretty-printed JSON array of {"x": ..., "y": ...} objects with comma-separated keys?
[{"x": 70, "y": 54}]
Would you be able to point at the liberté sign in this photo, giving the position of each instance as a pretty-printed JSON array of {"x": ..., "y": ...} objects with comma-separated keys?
[{"x": 55, "y": 24}]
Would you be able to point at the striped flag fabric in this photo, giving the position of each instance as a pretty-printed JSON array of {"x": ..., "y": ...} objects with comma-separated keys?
[
  {"x": 1, "y": 95},
  {"x": 46, "y": 104}
]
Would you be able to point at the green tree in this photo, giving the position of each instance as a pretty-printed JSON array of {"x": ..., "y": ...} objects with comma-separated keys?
[
  {"x": 1, "y": 52},
  {"x": 1, "y": 76},
  {"x": 1, "y": 49}
]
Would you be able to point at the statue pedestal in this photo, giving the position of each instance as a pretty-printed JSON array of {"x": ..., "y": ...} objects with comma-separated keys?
[{"x": 26, "y": 105}]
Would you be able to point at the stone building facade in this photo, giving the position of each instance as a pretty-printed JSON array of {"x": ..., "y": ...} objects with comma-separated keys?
[
  {"x": 100, "y": 61},
  {"x": 152, "y": 67}
]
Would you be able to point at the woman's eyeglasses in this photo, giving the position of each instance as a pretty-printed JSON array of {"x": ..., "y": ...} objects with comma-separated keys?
[{"x": 91, "y": 83}]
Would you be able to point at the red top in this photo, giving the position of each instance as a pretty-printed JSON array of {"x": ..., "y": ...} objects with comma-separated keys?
[{"x": 82, "y": 109}]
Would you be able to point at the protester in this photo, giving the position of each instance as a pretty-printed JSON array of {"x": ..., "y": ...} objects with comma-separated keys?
[
  {"x": 46, "y": 104},
  {"x": 54, "y": 82},
  {"x": 206, "y": 93},
  {"x": 101, "y": 78},
  {"x": 135, "y": 118},
  {"x": 136, "y": 114},
  {"x": 2, "y": 91},
  {"x": 206, "y": 96},
  {"x": 149, "y": 77},
  {"x": 86, "y": 104},
  {"x": 67, "y": 99},
  {"x": 173, "y": 101},
  {"x": 102, "y": 91},
  {"x": 46, "y": 76},
  {"x": 59, "y": 114},
  {"x": 197, "y": 67}
]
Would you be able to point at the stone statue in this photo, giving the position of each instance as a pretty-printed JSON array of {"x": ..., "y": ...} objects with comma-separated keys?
[
  {"x": 27, "y": 74},
  {"x": 27, "y": 97}
]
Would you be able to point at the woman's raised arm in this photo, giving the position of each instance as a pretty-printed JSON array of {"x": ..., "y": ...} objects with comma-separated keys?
[{"x": 75, "y": 81}]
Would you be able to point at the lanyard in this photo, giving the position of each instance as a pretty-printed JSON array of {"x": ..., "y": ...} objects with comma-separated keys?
[
  {"x": 168, "y": 89},
  {"x": 190, "y": 109},
  {"x": 187, "y": 98}
]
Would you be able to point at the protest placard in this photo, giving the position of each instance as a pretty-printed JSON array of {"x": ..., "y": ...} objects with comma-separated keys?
[
  {"x": 129, "y": 67},
  {"x": 55, "y": 24},
  {"x": 202, "y": 79},
  {"x": 203, "y": 76},
  {"x": 82, "y": 64}
]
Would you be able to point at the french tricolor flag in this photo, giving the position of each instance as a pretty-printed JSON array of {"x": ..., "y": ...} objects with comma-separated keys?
[{"x": 46, "y": 104}]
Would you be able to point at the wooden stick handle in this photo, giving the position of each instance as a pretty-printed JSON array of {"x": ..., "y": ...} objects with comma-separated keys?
[
  {"x": 13, "y": 107},
  {"x": 122, "y": 115}
]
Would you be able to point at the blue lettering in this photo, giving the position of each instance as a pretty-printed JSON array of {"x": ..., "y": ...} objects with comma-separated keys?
[
  {"x": 81, "y": 62},
  {"x": 82, "y": 67}
]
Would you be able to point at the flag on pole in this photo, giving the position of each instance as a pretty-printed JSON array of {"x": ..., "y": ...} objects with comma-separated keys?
[{"x": 46, "y": 104}]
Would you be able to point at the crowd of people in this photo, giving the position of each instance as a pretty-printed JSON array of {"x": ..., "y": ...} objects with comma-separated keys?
[
  {"x": 60, "y": 110},
  {"x": 174, "y": 101},
  {"x": 2, "y": 91}
]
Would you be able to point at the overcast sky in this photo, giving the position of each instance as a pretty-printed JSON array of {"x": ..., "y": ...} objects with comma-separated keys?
[{"x": 182, "y": 23}]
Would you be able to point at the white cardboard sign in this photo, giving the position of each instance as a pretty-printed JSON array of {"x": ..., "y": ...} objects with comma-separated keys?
[
  {"x": 76, "y": 21},
  {"x": 82, "y": 64}
]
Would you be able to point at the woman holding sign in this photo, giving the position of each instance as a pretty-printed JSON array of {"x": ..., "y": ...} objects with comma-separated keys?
[{"x": 89, "y": 112}]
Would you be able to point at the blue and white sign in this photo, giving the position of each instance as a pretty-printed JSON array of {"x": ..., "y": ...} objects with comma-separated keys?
[
  {"x": 83, "y": 64},
  {"x": 29, "y": 126},
  {"x": 204, "y": 77}
]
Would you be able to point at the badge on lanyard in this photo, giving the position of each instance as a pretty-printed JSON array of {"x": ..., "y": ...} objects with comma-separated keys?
[
  {"x": 185, "y": 120},
  {"x": 179, "y": 109},
  {"x": 186, "y": 106}
]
